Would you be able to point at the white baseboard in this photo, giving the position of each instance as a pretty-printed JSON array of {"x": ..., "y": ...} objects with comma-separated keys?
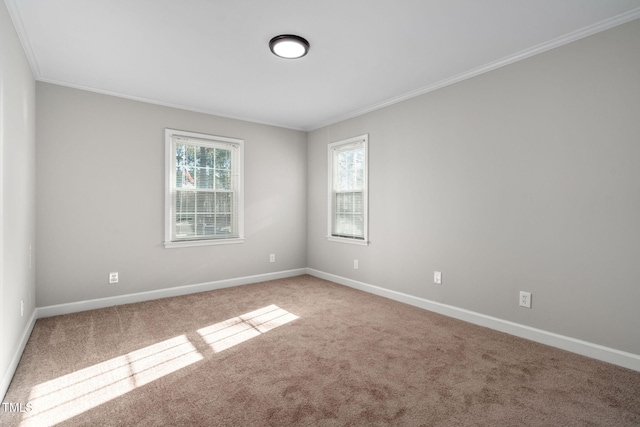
[
  {"x": 17, "y": 354},
  {"x": 595, "y": 351},
  {"x": 74, "y": 307}
]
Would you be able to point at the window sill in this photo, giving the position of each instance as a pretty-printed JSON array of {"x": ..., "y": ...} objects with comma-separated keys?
[
  {"x": 348, "y": 241},
  {"x": 191, "y": 243}
]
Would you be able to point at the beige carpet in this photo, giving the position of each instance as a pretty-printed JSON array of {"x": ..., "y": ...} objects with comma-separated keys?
[{"x": 303, "y": 351}]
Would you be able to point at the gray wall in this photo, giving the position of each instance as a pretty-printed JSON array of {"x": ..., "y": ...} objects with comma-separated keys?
[
  {"x": 17, "y": 200},
  {"x": 100, "y": 188},
  {"x": 523, "y": 178}
]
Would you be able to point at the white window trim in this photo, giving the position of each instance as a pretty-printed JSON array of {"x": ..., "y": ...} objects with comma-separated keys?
[
  {"x": 168, "y": 204},
  {"x": 364, "y": 139}
]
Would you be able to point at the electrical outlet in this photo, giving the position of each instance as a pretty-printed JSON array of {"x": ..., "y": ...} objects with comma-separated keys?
[
  {"x": 525, "y": 299},
  {"x": 272, "y": 258},
  {"x": 437, "y": 277},
  {"x": 21, "y": 308},
  {"x": 355, "y": 264},
  {"x": 113, "y": 277}
]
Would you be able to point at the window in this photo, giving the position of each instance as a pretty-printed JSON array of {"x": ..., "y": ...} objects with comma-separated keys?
[
  {"x": 203, "y": 200},
  {"x": 348, "y": 211}
]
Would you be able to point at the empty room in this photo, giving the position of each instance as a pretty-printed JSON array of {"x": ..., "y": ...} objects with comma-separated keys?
[{"x": 322, "y": 213}]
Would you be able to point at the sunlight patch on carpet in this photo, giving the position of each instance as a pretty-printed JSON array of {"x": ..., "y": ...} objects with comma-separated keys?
[
  {"x": 223, "y": 335},
  {"x": 59, "y": 399}
]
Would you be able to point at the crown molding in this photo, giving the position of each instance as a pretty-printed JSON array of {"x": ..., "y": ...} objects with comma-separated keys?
[
  {"x": 14, "y": 14},
  {"x": 535, "y": 50},
  {"x": 164, "y": 104}
]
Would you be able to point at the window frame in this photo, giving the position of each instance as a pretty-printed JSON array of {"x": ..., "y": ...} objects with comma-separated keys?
[
  {"x": 332, "y": 149},
  {"x": 171, "y": 136}
]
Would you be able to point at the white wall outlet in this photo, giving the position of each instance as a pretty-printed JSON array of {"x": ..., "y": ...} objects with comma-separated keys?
[
  {"x": 437, "y": 277},
  {"x": 21, "y": 308},
  {"x": 272, "y": 258},
  {"x": 355, "y": 264},
  {"x": 113, "y": 277},
  {"x": 525, "y": 299}
]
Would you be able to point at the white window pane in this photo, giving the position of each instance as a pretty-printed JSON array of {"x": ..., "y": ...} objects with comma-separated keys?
[
  {"x": 204, "y": 177},
  {"x": 349, "y": 202},
  {"x": 205, "y": 202},
  {"x": 222, "y": 158},
  {"x": 185, "y": 202},
  {"x": 210, "y": 157},
  {"x": 349, "y": 225},
  {"x": 223, "y": 224},
  {"x": 189, "y": 155},
  {"x": 222, "y": 180},
  {"x": 185, "y": 177},
  {"x": 184, "y": 225},
  {"x": 223, "y": 202},
  {"x": 350, "y": 169}
]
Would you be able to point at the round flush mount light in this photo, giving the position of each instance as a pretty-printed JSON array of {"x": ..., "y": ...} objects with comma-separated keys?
[{"x": 289, "y": 46}]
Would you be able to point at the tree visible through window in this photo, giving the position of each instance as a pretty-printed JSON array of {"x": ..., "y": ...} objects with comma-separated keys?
[
  {"x": 204, "y": 191},
  {"x": 348, "y": 189}
]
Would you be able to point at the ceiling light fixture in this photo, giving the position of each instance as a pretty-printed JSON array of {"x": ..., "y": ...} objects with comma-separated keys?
[{"x": 289, "y": 46}]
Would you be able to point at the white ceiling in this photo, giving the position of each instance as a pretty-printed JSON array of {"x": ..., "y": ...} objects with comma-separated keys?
[{"x": 212, "y": 56}]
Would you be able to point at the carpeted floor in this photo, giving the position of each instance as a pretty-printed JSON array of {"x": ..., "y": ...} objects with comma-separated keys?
[{"x": 303, "y": 351}]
